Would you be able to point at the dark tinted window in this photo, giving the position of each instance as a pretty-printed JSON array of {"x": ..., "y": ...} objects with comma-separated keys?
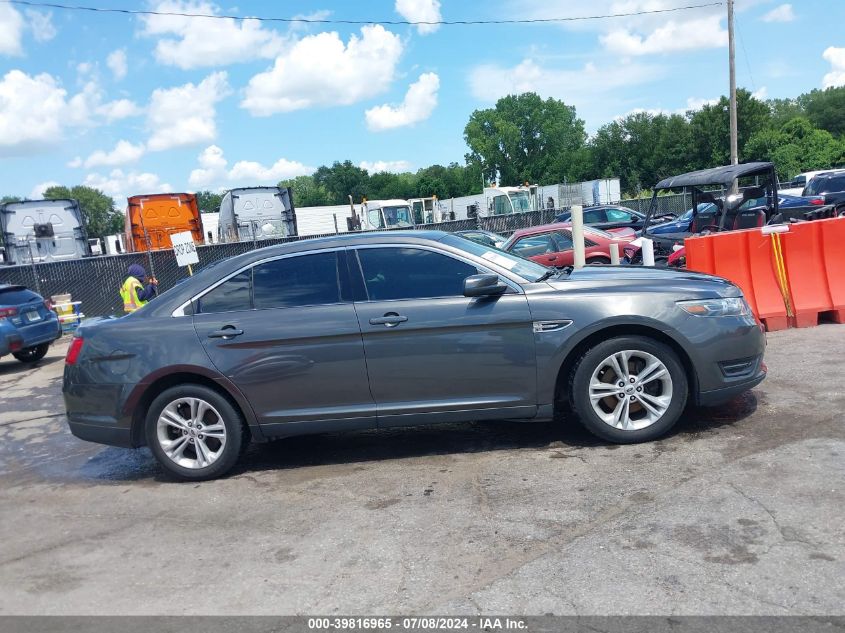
[
  {"x": 410, "y": 273},
  {"x": 16, "y": 296},
  {"x": 230, "y": 296},
  {"x": 821, "y": 184},
  {"x": 594, "y": 215},
  {"x": 306, "y": 280}
]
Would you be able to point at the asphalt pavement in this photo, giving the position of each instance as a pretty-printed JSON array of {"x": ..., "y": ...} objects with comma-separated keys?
[{"x": 739, "y": 511}]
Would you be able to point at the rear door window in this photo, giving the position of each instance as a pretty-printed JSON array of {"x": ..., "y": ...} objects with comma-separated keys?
[
  {"x": 305, "y": 280},
  {"x": 593, "y": 216},
  {"x": 232, "y": 295}
]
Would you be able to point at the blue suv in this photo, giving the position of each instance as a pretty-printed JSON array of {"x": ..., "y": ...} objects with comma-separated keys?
[{"x": 28, "y": 325}]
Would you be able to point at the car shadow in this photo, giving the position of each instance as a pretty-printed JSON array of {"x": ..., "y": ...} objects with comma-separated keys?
[
  {"x": 11, "y": 365},
  {"x": 115, "y": 465},
  {"x": 564, "y": 433}
]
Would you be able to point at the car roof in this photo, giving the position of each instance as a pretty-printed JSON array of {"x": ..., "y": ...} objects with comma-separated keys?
[
  {"x": 11, "y": 287},
  {"x": 544, "y": 228},
  {"x": 714, "y": 176}
]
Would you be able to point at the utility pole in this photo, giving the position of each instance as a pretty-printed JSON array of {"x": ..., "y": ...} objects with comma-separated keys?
[{"x": 732, "y": 56}]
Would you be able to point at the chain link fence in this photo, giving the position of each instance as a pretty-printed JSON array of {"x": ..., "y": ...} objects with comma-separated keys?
[
  {"x": 677, "y": 204},
  {"x": 95, "y": 281}
]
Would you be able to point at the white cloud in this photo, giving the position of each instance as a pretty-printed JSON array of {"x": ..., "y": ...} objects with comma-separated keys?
[
  {"x": 41, "y": 25},
  {"x": 185, "y": 115},
  {"x": 38, "y": 190},
  {"x": 122, "y": 154},
  {"x": 705, "y": 32},
  {"x": 593, "y": 90},
  {"x": 116, "y": 61},
  {"x": 214, "y": 172},
  {"x": 783, "y": 13},
  {"x": 198, "y": 42},
  {"x": 418, "y": 104},
  {"x": 696, "y": 103},
  {"x": 11, "y": 30},
  {"x": 119, "y": 109},
  {"x": 120, "y": 185},
  {"x": 320, "y": 70},
  {"x": 392, "y": 166},
  {"x": 33, "y": 112},
  {"x": 836, "y": 76},
  {"x": 420, "y": 11},
  {"x": 761, "y": 94}
]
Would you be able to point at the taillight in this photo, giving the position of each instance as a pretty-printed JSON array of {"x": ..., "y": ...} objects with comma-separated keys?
[
  {"x": 8, "y": 312},
  {"x": 74, "y": 350},
  {"x": 817, "y": 201},
  {"x": 48, "y": 304}
]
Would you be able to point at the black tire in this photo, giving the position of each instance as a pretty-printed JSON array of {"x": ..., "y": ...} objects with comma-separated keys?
[
  {"x": 597, "y": 261},
  {"x": 236, "y": 435},
  {"x": 579, "y": 389},
  {"x": 32, "y": 354}
]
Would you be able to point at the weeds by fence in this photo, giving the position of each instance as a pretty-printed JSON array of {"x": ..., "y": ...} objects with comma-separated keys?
[{"x": 95, "y": 281}]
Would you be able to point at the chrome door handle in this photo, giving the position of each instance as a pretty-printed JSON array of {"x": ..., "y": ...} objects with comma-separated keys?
[
  {"x": 388, "y": 320},
  {"x": 225, "y": 333}
]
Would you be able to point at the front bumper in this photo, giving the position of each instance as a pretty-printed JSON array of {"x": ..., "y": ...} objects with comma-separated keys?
[{"x": 724, "y": 394}]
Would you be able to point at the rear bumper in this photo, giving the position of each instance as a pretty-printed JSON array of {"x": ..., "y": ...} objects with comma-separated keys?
[
  {"x": 30, "y": 336},
  {"x": 101, "y": 430}
]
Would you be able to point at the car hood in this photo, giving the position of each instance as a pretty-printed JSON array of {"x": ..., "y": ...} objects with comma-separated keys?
[{"x": 644, "y": 278}]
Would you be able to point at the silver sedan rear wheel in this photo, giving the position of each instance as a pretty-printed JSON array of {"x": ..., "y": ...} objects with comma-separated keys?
[
  {"x": 191, "y": 432},
  {"x": 630, "y": 390}
]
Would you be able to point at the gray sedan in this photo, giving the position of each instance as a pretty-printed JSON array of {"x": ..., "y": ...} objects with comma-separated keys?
[{"x": 402, "y": 328}]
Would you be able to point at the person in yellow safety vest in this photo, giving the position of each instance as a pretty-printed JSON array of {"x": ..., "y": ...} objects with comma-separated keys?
[{"x": 133, "y": 291}]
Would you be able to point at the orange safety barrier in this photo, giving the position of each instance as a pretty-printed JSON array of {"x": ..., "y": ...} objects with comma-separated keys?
[
  {"x": 745, "y": 258},
  {"x": 814, "y": 256}
]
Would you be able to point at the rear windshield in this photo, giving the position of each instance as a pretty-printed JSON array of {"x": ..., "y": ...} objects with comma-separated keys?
[
  {"x": 16, "y": 295},
  {"x": 825, "y": 185}
]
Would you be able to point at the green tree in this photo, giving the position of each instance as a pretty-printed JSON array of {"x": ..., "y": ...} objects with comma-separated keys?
[
  {"x": 524, "y": 138},
  {"x": 826, "y": 109},
  {"x": 307, "y": 192},
  {"x": 795, "y": 147},
  {"x": 641, "y": 149},
  {"x": 341, "y": 180},
  {"x": 208, "y": 201},
  {"x": 98, "y": 212},
  {"x": 711, "y": 128}
]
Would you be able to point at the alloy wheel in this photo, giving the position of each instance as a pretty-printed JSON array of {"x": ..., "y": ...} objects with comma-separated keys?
[
  {"x": 191, "y": 433},
  {"x": 630, "y": 390}
]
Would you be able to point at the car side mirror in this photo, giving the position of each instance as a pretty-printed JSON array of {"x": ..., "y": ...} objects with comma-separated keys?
[{"x": 483, "y": 286}]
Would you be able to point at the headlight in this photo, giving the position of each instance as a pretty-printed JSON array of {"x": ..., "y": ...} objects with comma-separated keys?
[{"x": 732, "y": 306}]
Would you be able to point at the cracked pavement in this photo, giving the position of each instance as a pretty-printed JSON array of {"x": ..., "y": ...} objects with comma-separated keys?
[{"x": 739, "y": 511}]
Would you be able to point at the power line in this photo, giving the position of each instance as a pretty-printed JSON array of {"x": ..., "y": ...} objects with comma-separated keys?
[{"x": 306, "y": 20}]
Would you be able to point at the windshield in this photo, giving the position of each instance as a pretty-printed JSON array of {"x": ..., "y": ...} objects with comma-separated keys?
[
  {"x": 398, "y": 216},
  {"x": 525, "y": 268},
  {"x": 520, "y": 201}
]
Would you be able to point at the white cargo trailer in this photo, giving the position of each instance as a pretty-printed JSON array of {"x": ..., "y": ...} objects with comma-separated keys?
[{"x": 43, "y": 231}]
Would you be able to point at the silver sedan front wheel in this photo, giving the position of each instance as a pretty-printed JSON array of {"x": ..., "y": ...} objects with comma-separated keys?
[
  {"x": 191, "y": 432},
  {"x": 630, "y": 390}
]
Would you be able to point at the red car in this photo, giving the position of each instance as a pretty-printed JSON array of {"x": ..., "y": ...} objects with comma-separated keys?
[{"x": 551, "y": 244}]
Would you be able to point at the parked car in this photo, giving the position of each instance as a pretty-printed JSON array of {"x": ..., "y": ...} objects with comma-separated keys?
[
  {"x": 608, "y": 216},
  {"x": 401, "y": 328},
  {"x": 800, "y": 182},
  {"x": 28, "y": 324},
  {"x": 551, "y": 244},
  {"x": 488, "y": 238},
  {"x": 830, "y": 187}
]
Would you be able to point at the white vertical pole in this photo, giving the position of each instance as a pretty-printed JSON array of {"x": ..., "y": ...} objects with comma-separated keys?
[
  {"x": 614, "y": 253},
  {"x": 648, "y": 252},
  {"x": 578, "y": 234}
]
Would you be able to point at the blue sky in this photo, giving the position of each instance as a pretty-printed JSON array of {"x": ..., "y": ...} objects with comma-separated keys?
[{"x": 138, "y": 105}]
